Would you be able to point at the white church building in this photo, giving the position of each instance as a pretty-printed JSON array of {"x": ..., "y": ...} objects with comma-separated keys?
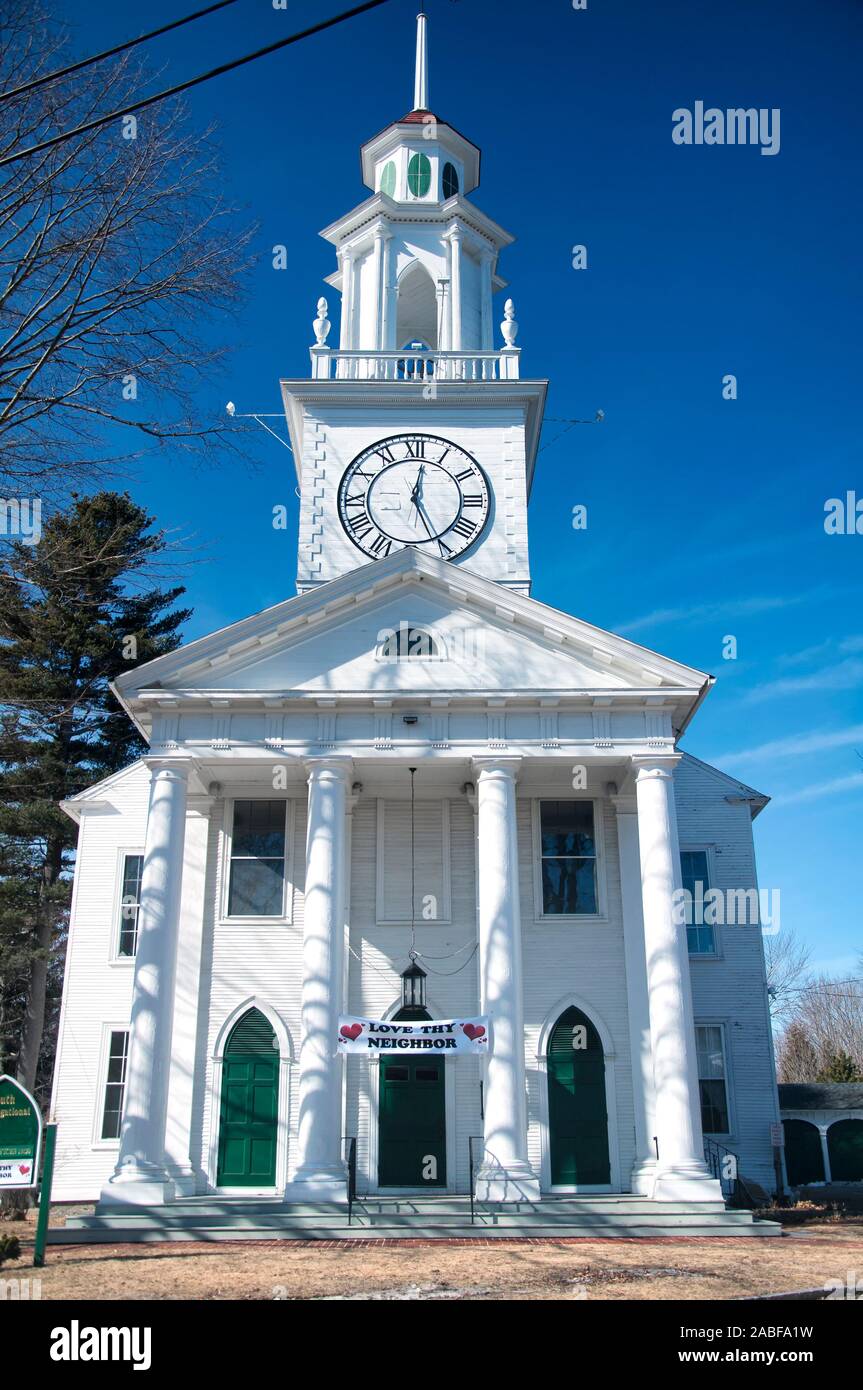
[{"x": 413, "y": 792}]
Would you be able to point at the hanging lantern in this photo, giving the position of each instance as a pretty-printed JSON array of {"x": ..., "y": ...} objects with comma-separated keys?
[{"x": 413, "y": 986}]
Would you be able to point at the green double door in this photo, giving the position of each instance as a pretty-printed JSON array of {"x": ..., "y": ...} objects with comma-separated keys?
[
  {"x": 249, "y": 1110},
  {"x": 412, "y": 1123},
  {"x": 577, "y": 1112}
]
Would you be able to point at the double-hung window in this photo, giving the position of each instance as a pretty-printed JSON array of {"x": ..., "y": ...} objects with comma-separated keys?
[
  {"x": 695, "y": 876},
  {"x": 568, "y": 858},
  {"x": 712, "y": 1081},
  {"x": 257, "y": 871},
  {"x": 130, "y": 905},
  {"x": 115, "y": 1084}
]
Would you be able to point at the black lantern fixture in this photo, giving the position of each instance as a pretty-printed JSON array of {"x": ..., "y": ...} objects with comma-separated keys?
[{"x": 414, "y": 987}]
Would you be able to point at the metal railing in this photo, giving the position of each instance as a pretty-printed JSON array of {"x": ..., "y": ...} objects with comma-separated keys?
[
  {"x": 476, "y": 1143},
  {"x": 716, "y": 1157},
  {"x": 351, "y": 1162}
]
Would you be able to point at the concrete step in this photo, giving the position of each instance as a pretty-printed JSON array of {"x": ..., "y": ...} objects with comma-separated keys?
[{"x": 420, "y": 1231}]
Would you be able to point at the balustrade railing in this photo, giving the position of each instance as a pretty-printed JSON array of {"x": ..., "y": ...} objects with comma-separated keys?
[{"x": 421, "y": 368}]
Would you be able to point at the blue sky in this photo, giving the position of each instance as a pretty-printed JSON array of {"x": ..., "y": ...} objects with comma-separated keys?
[{"x": 705, "y": 515}]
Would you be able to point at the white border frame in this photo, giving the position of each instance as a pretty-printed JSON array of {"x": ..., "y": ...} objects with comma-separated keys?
[
  {"x": 717, "y": 953},
  {"x": 286, "y": 1061},
  {"x": 444, "y": 918},
  {"x": 97, "y": 1142},
  {"x": 542, "y": 919},
  {"x": 285, "y": 918},
  {"x": 25, "y": 1187},
  {"x": 114, "y": 958},
  {"x": 371, "y": 1175},
  {"x": 610, "y": 1057}
]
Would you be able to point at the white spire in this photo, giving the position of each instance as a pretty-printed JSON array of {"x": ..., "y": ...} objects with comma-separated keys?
[{"x": 421, "y": 80}]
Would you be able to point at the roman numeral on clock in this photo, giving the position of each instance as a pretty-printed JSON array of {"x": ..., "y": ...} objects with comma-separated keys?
[
  {"x": 382, "y": 546},
  {"x": 463, "y": 527},
  {"x": 472, "y": 499},
  {"x": 416, "y": 449},
  {"x": 361, "y": 525}
]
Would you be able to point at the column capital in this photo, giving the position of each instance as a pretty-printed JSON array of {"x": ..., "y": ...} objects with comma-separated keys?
[
  {"x": 661, "y": 765},
  {"x": 499, "y": 767},
  {"x": 181, "y": 766},
  {"x": 338, "y": 764}
]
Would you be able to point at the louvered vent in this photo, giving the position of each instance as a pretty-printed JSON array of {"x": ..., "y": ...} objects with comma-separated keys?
[
  {"x": 562, "y": 1037},
  {"x": 252, "y": 1033}
]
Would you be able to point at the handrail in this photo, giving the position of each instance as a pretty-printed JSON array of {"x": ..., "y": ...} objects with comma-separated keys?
[
  {"x": 351, "y": 1161},
  {"x": 715, "y": 1155},
  {"x": 474, "y": 1139},
  {"x": 415, "y": 365}
]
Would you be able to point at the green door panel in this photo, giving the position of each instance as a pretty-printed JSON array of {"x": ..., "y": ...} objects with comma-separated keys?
[
  {"x": 412, "y": 1122},
  {"x": 577, "y": 1113},
  {"x": 249, "y": 1112}
]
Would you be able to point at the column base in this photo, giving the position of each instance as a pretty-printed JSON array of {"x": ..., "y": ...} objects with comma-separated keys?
[
  {"x": 135, "y": 1187},
  {"x": 516, "y": 1182},
  {"x": 643, "y": 1177},
  {"x": 687, "y": 1182},
  {"x": 318, "y": 1185}
]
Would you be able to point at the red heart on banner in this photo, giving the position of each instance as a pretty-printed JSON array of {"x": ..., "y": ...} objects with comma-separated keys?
[
  {"x": 351, "y": 1030},
  {"x": 23, "y": 1167},
  {"x": 473, "y": 1030}
]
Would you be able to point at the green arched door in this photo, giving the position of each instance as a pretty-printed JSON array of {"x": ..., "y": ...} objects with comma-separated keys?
[
  {"x": 577, "y": 1112},
  {"x": 845, "y": 1147},
  {"x": 249, "y": 1112},
  {"x": 804, "y": 1161}
]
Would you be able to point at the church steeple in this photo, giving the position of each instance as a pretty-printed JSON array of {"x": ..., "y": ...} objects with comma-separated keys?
[{"x": 421, "y": 102}]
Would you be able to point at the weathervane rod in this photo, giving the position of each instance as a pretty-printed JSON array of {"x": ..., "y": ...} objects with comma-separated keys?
[{"x": 421, "y": 96}]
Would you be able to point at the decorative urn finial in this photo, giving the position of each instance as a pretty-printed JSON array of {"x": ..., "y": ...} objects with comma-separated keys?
[
  {"x": 322, "y": 324},
  {"x": 509, "y": 327}
]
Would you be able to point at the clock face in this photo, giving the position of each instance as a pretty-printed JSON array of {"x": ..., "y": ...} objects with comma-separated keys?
[{"x": 414, "y": 489}]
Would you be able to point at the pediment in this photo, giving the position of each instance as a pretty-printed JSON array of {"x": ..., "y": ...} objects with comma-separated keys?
[{"x": 489, "y": 640}]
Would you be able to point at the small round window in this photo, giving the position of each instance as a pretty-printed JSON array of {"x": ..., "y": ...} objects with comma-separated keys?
[
  {"x": 450, "y": 181},
  {"x": 388, "y": 179},
  {"x": 419, "y": 175}
]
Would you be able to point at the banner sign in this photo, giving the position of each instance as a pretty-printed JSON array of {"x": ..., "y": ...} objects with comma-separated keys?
[
  {"x": 20, "y": 1135},
  {"x": 452, "y": 1036}
]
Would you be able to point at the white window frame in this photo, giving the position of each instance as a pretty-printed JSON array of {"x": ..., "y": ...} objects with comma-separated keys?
[
  {"x": 114, "y": 957},
  {"x": 542, "y": 918},
  {"x": 722, "y": 1025},
  {"x": 286, "y": 915},
  {"x": 444, "y": 917},
  {"x": 104, "y": 1053},
  {"x": 710, "y": 851}
]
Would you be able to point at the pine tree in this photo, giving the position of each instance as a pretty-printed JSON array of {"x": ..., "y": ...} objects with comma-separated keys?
[
  {"x": 840, "y": 1067},
  {"x": 76, "y": 610}
]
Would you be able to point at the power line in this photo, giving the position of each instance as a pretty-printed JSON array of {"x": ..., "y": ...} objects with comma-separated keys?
[
  {"x": 192, "y": 82},
  {"x": 110, "y": 52}
]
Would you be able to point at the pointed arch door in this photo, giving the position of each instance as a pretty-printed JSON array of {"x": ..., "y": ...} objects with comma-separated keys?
[
  {"x": 577, "y": 1107},
  {"x": 249, "y": 1109}
]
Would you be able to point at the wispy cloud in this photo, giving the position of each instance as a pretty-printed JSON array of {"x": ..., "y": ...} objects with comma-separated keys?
[
  {"x": 845, "y": 675},
  {"x": 711, "y": 612},
  {"x": 821, "y": 789},
  {"x": 800, "y": 658},
  {"x": 796, "y": 745}
]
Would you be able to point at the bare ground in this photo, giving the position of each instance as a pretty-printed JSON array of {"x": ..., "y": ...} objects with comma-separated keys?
[{"x": 712, "y": 1269}]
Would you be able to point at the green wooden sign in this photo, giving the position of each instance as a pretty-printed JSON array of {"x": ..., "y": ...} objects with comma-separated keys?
[{"x": 20, "y": 1135}]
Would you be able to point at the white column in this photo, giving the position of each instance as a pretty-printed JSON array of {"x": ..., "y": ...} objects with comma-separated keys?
[
  {"x": 388, "y": 306},
  {"x": 320, "y": 1171},
  {"x": 455, "y": 243},
  {"x": 825, "y": 1152},
  {"x": 378, "y": 282},
  {"x": 681, "y": 1173},
  {"x": 505, "y": 1174},
  {"x": 644, "y": 1165},
  {"x": 140, "y": 1176},
  {"x": 183, "y": 1166},
  {"x": 485, "y": 301},
  {"x": 345, "y": 328}
]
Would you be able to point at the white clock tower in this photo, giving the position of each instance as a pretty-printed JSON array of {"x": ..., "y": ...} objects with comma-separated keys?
[{"x": 416, "y": 430}]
